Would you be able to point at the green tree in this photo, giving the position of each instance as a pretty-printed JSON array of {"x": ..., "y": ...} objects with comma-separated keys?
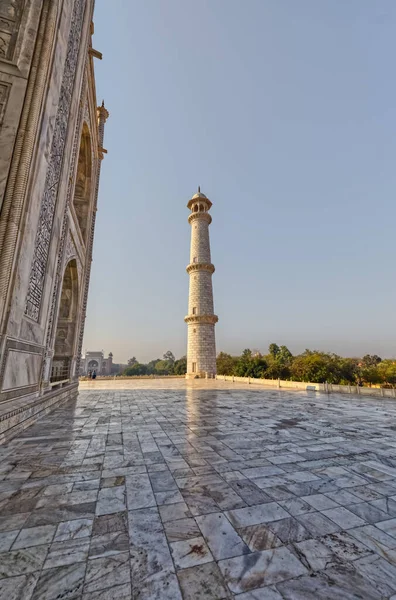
[
  {"x": 136, "y": 369},
  {"x": 169, "y": 356},
  {"x": 132, "y": 361},
  {"x": 164, "y": 367},
  {"x": 180, "y": 366},
  {"x": 371, "y": 375},
  {"x": 387, "y": 371},
  {"x": 273, "y": 350},
  {"x": 250, "y": 366},
  {"x": 371, "y": 360},
  {"x": 226, "y": 364}
]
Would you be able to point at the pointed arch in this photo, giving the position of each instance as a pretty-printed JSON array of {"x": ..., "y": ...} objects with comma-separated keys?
[
  {"x": 83, "y": 186},
  {"x": 66, "y": 326}
]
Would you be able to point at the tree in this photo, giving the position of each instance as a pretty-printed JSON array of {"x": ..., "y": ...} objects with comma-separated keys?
[
  {"x": 151, "y": 366},
  {"x": 387, "y": 371},
  {"x": 164, "y": 367},
  {"x": 136, "y": 369},
  {"x": 180, "y": 366},
  {"x": 273, "y": 350},
  {"x": 169, "y": 356},
  {"x": 226, "y": 364},
  {"x": 132, "y": 361},
  {"x": 250, "y": 366},
  {"x": 371, "y": 360}
]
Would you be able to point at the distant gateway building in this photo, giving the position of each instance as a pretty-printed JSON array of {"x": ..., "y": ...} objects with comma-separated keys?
[
  {"x": 201, "y": 320},
  {"x": 51, "y": 149},
  {"x": 96, "y": 361}
]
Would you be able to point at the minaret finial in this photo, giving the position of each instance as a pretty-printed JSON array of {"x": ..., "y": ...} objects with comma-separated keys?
[{"x": 199, "y": 189}]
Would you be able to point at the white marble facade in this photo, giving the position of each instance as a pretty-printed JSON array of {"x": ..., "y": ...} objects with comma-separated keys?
[{"x": 51, "y": 147}]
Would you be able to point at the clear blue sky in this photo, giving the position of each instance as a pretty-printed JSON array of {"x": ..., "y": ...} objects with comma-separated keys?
[{"x": 284, "y": 112}]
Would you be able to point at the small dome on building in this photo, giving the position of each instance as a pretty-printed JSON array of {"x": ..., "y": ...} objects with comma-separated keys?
[{"x": 199, "y": 196}]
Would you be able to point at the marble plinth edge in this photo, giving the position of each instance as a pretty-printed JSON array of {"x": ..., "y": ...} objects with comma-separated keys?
[{"x": 17, "y": 419}]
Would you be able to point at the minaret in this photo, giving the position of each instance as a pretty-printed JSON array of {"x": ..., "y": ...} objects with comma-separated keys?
[{"x": 201, "y": 344}]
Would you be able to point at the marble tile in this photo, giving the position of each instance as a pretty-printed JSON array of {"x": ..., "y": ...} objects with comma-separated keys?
[
  {"x": 34, "y": 536},
  {"x": 343, "y": 517},
  {"x": 172, "y": 512},
  {"x": 11, "y": 522},
  {"x": 109, "y": 544},
  {"x": 111, "y": 500},
  {"x": 117, "y": 592},
  {"x": 345, "y": 546},
  {"x": 67, "y": 553},
  {"x": 249, "y": 492},
  {"x": 139, "y": 492},
  {"x": 203, "y": 581},
  {"x": 149, "y": 550},
  {"x": 289, "y": 530},
  {"x": 320, "y": 501},
  {"x": 169, "y": 497},
  {"x": 221, "y": 537},
  {"x": 367, "y": 512},
  {"x": 336, "y": 583},
  {"x": 71, "y": 530},
  {"x": 57, "y": 490},
  {"x": 182, "y": 529},
  {"x": 189, "y": 553},
  {"x": 112, "y": 481},
  {"x": 314, "y": 554},
  {"x": 7, "y": 538},
  {"x": 267, "y": 593},
  {"x": 375, "y": 539},
  {"x": 317, "y": 524},
  {"x": 380, "y": 573},
  {"x": 250, "y": 571},
  {"x": 254, "y": 515},
  {"x": 296, "y": 506},
  {"x": 235, "y": 453},
  {"x": 18, "y": 588},
  {"x": 107, "y": 572},
  {"x": 259, "y": 537},
  {"x": 110, "y": 523},
  {"x": 21, "y": 562},
  {"x": 389, "y": 527}
]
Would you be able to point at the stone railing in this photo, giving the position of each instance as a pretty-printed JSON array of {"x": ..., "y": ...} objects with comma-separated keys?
[{"x": 327, "y": 388}]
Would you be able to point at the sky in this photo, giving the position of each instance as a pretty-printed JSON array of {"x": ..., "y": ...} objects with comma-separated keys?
[{"x": 284, "y": 113}]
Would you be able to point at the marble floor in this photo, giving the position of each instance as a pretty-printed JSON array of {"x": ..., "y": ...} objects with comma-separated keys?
[{"x": 169, "y": 490}]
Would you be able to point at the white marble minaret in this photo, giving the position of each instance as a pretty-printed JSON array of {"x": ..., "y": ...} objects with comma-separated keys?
[{"x": 201, "y": 345}]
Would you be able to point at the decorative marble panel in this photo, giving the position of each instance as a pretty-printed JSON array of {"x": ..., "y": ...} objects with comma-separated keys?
[
  {"x": 22, "y": 369},
  {"x": 4, "y": 93},
  {"x": 48, "y": 204},
  {"x": 10, "y": 16}
]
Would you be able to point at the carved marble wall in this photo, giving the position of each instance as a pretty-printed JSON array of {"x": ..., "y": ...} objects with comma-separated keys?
[{"x": 48, "y": 191}]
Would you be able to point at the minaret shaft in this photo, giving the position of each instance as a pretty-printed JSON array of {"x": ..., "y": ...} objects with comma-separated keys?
[{"x": 201, "y": 345}]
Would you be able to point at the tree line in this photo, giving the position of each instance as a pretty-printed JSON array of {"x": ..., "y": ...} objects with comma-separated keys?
[
  {"x": 167, "y": 365},
  {"x": 311, "y": 366},
  {"x": 279, "y": 363}
]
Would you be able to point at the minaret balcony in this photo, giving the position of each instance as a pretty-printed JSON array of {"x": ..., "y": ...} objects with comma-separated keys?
[
  {"x": 200, "y": 267},
  {"x": 204, "y": 216},
  {"x": 211, "y": 319}
]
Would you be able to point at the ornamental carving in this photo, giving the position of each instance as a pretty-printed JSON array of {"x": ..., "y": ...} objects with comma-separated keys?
[
  {"x": 70, "y": 249},
  {"x": 10, "y": 18},
  {"x": 204, "y": 216},
  {"x": 211, "y": 319},
  {"x": 48, "y": 203},
  {"x": 60, "y": 260},
  {"x": 4, "y": 93},
  {"x": 200, "y": 267}
]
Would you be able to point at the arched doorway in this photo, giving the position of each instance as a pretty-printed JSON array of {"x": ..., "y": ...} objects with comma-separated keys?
[
  {"x": 82, "y": 191},
  {"x": 66, "y": 326}
]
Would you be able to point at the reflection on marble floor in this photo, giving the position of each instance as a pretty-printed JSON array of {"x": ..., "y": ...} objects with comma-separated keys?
[{"x": 170, "y": 490}]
